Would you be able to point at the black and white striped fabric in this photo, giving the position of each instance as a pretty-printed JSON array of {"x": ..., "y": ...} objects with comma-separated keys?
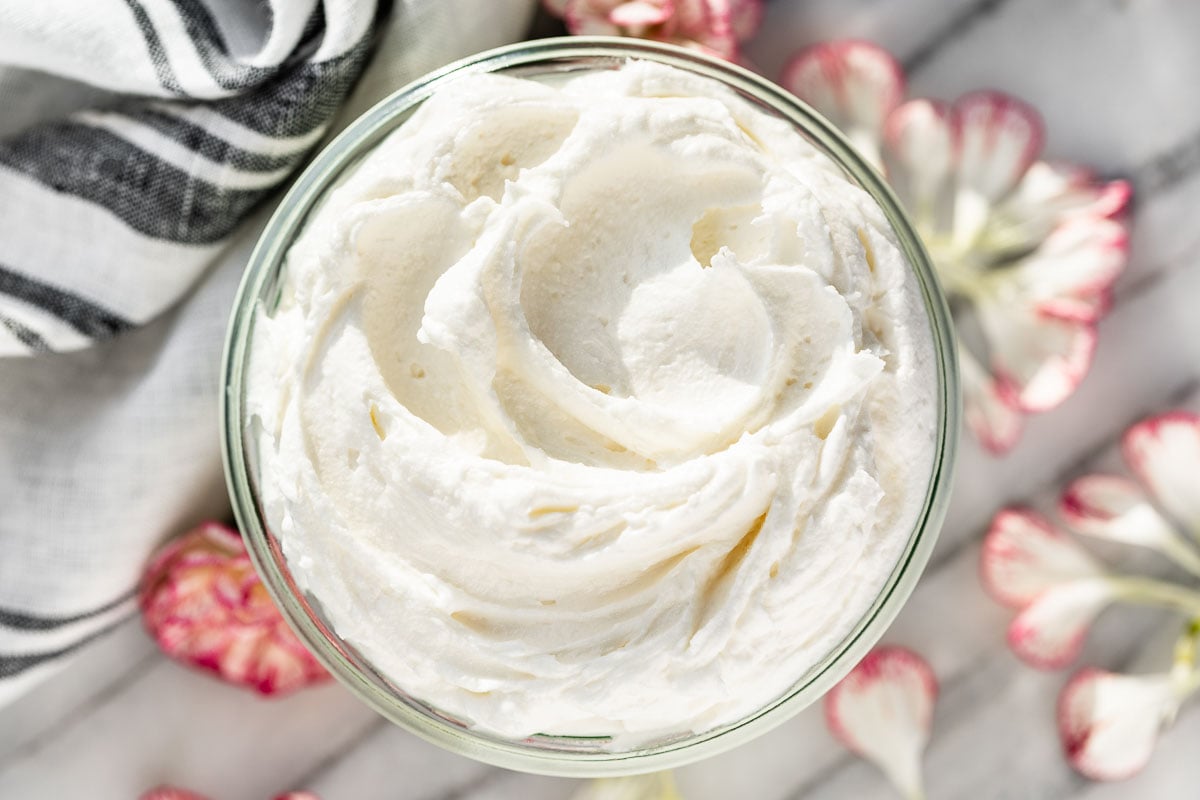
[
  {"x": 122, "y": 197},
  {"x": 109, "y": 214}
]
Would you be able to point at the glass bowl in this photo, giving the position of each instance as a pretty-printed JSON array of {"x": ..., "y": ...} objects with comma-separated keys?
[{"x": 568, "y": 756}]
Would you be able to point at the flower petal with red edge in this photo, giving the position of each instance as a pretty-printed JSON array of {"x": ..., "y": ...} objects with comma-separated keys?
[
  {"x": 1024, "y": 555},
  {"x": 1164, "y": 452},
  {"x": 1111, "y": 507},
  {"x": 990, "y": 411},
  {"x": 1071, "y": 272},
  {"x": 206, "y": 607},
  {"x": 1042, "y": 357},
  {"x": 1049, "y": 632},
  {"x": 855, "y": 84},
  {"x": 170, "y": 793},
  {"x": 1115, "y": 508},
  {"x": 1108, "y": 724},
  {"x": 1065, "y": 189},
  {"x": 207, "y": 545},
  {"x": 883, "y": 710},
  {"x": 640, "y": 13},
  {"x": 298, "y": 796},
  {"x": 998, "y": 137},
  {"x": 1047, "y": 196},
  {"x": 707, "y": 24},
  {"x": 918, "y": 152}
]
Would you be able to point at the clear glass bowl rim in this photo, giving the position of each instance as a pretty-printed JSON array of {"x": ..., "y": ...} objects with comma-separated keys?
[{"x": 266, "y": 262}]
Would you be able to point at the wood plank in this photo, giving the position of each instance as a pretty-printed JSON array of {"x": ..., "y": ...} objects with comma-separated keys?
[
  {"x": 81, "y": 683},
  {"x": 172, "y": 725}
]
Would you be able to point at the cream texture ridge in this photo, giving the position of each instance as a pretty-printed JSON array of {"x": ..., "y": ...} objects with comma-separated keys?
[{"x": 603, "y": 406}]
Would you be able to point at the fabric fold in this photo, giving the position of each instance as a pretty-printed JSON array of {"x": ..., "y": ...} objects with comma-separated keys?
[{"x": 200, "y": 135}]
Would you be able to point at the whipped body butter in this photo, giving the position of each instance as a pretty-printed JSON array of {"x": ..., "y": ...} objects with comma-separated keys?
[{"x": 596, "y": 406}]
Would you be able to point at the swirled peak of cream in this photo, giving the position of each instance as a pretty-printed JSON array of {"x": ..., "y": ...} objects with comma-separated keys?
[{"x": 597, "y": 407}]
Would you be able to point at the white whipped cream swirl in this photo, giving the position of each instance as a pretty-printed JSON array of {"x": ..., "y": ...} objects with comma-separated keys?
[{"x": 595, "y": 407}]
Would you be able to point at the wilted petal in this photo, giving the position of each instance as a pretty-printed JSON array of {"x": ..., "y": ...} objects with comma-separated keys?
[
  {"x": 1042, "y": 357},
  {"x": 1024, "y": 555},
  {"x": 1115, "y": 508},
  {"x": 998, "y": 138},
  {"x": 656, "y": 786},
  {"x": 883, "y": 711},
  {"x": 1109, "y": 723},
  {"x": 1049, "y": 632},
  {"x": 855, "y": 84},
  {"x": 991, "y": 412},
  {"x": 206, "y": 607},
  {"x": 1048, "y": 195},
  {"x": 1164, "y": 452},
  {"x": 918, "y": 152}
]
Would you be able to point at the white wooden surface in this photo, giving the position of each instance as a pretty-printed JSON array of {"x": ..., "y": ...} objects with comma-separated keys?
[{"x": 1116, "y": 81}]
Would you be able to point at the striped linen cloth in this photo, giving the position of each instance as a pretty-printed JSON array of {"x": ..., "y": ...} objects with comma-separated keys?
[
  {"x": 142, "y": 144},
  {"x": 109, "y": 214}
]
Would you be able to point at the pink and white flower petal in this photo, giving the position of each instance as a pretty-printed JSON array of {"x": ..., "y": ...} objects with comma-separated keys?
[
  {"x": 1048, "y": 195},
  {"x": 1053, "y": 189},
  {"x": 1108, "y": 724},
  {"x": 991, "y": 412},
  {"x": 206, "y": 607},
  {"x": 1164, "y": 452},
  {"x": 636, "y": 14},
  {"x": 1111, "y": 507},
  {"x": 1024, "y": 556},
  {"x": 298, "y": 796},
  {"x": 209, "y": 544},
  {"x": 1043, "y": 357},
  {"x": 855, "y": 84},
  {"x": 998, "y": 138},
  {"x": 746, "y": 18},
  {"x": 1115, "y": 508},
  {"x": 1070, "y": 274},
  {"x": 704, "y": 24},
  {"x": 883, "y": 711},
  {"x": 918, "y": 153},
  {"x": 1049, "y": 632}
]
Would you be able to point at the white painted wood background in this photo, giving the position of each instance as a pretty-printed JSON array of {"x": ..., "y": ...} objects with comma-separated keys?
[{"x": 1118, "y": 82}]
